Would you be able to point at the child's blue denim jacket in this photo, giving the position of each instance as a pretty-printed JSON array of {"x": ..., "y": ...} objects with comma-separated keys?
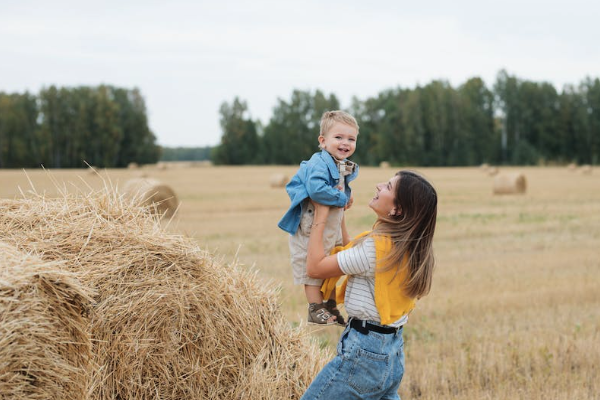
[{"x": 316, "y": 178}]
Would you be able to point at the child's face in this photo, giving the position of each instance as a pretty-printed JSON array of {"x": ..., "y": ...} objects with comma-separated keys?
[{"x": 339, "y": 141}]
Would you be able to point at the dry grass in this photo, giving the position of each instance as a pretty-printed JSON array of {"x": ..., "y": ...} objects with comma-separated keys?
[
  {"x": 45, "y": 347},
  {"x": 514, "y": 311}
]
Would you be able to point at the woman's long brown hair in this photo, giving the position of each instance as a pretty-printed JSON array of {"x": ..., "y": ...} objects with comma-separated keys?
[{"x": 411, "y": 232}]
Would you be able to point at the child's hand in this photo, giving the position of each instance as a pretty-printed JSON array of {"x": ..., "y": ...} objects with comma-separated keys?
[{"x": 349, "y": 203}]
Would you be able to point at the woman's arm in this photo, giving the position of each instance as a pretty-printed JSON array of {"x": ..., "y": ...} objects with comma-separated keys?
[
  {"x": 345, "y": 237},
  {"x": 318, "y": 264}
]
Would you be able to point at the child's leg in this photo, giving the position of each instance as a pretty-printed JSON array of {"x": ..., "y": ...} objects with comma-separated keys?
[
  {"x": 317, "y": 310},
  {"x": 313, "y": 294}
]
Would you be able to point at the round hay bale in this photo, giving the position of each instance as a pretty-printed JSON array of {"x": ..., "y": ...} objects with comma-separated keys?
[
  {"x": 170, "y": 320},
  {"x": 384, "y": 164},
  {"x": 278, "y": 180},
  {"x": 572, "y": 167},
  {"x": 158, "y": 197},
  {"x": 132, "y": 165},
  {"x": 493, "y": 171},
  {"x": 585, "y": 169},
  {"x": 162, "y": 166},
  {"x": 484, "y": 167},
  {"x": 510, "y": 183},
  {"x": 45, "y": 345}
]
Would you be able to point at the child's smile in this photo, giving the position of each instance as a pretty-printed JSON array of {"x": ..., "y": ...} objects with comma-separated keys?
[{"x": 339, "y": 141}]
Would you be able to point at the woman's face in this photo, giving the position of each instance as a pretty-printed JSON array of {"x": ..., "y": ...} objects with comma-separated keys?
[{"x": 383, "y": 202}]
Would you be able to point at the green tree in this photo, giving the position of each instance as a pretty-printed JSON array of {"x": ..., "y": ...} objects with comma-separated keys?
[
  {"x": 477, "y": 140},
  {"x": 18, "y": 114},
  {"x": 293, "y": 130},
  {"x": 590, "y": 142},
  {"x": 239, "y": 142}
]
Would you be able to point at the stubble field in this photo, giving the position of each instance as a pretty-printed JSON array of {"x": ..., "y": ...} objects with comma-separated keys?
[{"x": 515, "y": 307}]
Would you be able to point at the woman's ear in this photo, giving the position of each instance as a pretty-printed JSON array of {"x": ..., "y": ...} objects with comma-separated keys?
[{"x": 395, "y": 212}]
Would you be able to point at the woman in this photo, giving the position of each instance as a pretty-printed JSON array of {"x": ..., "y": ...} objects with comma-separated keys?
[{"x": 388, "y": 269}]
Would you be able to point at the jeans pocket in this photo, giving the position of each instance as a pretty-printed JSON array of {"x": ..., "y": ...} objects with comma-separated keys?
[
  {"x": 369, "y": 372},
  {"x": 342, "y": 346}
]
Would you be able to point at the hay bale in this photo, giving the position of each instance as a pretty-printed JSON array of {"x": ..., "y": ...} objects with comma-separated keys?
[
  {"x": 572, "y": 167},
  {"x": 510, "y": 183},
  {"x": 484, "y": 167},
  {"x": 151, "y": 193},
  {"x": 493, "y": 171},
  {"x": 132, "y": 165},
  {"x": 384, "y": 164},
  {"x": 45, "y": 346},
  {"x": 170, "y": 321},
  {"x": 162, "y": 166},
  {"x": 278, "y": 180},
  {"x": 585, "y": 169}
]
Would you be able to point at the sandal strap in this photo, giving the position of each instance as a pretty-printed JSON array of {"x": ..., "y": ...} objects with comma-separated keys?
[{"x": 320, "y": 315}]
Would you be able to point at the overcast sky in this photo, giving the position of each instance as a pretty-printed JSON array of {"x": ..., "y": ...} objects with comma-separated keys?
[{"x": 187, "y": 57}]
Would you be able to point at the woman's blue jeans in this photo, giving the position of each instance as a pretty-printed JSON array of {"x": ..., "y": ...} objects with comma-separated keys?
[{"x": 367, "y": 366}]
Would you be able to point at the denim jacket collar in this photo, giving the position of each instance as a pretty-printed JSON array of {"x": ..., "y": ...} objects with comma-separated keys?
[{"x": 329, "y": 160}]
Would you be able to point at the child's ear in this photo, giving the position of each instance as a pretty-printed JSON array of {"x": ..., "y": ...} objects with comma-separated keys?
[{"x": 321, "y": 140}]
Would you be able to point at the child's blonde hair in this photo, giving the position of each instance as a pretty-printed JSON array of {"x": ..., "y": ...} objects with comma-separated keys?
[{"x": 331, "y": 117}]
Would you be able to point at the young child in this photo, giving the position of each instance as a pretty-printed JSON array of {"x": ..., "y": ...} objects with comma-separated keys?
[{"x": 324, "y": 179}]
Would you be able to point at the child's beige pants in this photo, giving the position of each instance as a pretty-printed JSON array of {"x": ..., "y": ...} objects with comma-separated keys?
[{"x": 332, "y": 236}]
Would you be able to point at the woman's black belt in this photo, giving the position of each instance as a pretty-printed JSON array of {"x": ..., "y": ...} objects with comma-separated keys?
[{"x": 365, "y": 327}]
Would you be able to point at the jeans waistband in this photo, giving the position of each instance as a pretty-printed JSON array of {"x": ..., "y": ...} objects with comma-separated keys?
[{"x": 365, "y": 327}]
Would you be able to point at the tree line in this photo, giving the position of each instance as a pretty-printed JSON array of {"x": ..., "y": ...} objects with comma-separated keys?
[
  {"x": 514, "y": 122},
  {"x": 104, "y": 126}
]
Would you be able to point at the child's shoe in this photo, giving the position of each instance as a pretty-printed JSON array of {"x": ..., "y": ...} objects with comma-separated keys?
[
  {"x": 331, "y": 306},
  {"x": 318, "y": 315}
]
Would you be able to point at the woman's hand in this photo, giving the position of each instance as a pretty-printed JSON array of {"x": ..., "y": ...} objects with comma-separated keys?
[{"x": 349, "y": 203}]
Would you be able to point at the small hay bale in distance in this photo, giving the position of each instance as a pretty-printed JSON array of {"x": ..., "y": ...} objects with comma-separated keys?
[
  {"x": 572, "y": 167},
  {"x": 384, "y": 164},
  {"x": 510, "y": 183},
  {"x": 132, "y": 165},
  {"x": 585, "y": 169},
  {"x": 278, "y": 180},
  {"x": 492, "y": 171},
  {"x": 151, "y": 193},
  {"x": 169, "y": 321},
  {"x": 45, "y": 345}
]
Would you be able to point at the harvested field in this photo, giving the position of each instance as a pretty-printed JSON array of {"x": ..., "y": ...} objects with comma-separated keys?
[{"x": 515, "y": 307}]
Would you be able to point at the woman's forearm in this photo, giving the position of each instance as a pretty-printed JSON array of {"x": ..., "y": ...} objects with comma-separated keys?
[
  {"x": 318, "y": 264},
  {"x": 345, "y": 235},
  {"x": 316, "y": 251}
]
